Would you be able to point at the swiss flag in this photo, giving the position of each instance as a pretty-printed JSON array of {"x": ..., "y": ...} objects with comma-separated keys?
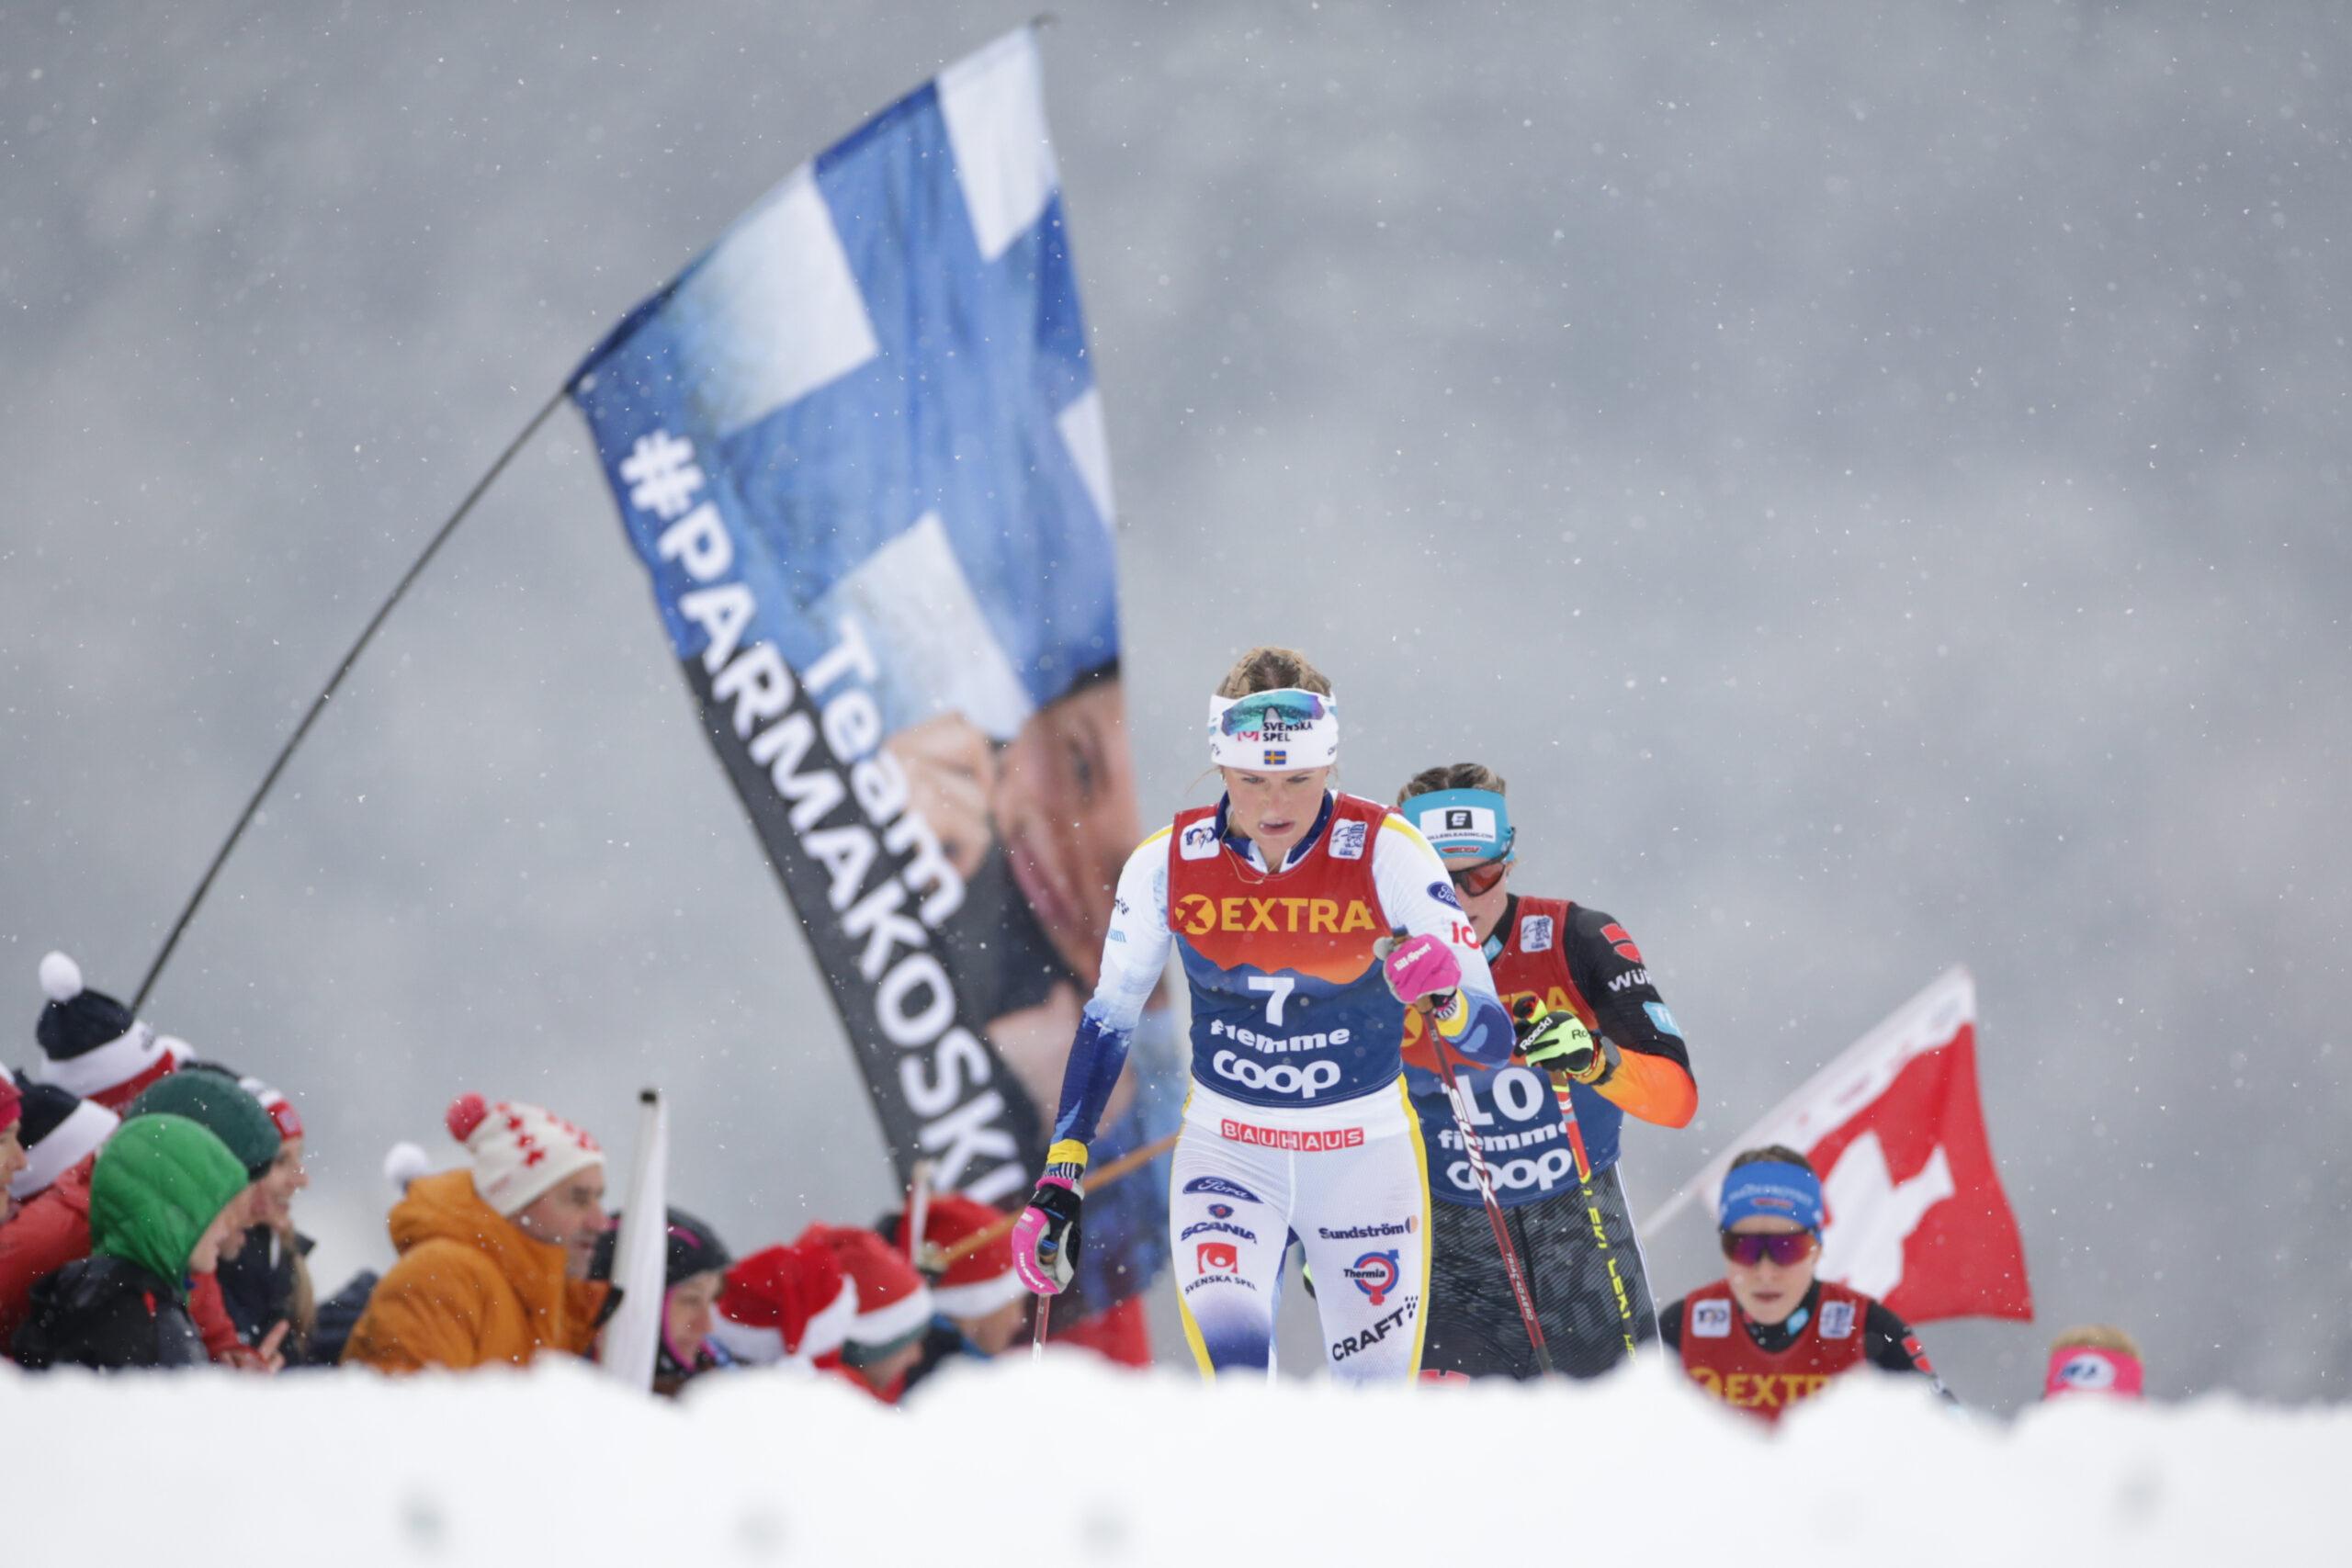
[{"x": 1916, "y": 1216}]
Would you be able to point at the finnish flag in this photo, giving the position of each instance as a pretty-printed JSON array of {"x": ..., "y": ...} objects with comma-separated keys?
[{"x": 878, "y": 381}]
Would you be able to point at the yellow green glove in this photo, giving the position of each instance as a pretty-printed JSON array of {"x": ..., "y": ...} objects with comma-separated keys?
[{"x": 1557, "y": 1043}]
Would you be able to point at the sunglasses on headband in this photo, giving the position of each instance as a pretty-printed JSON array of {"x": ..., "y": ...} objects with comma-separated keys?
[
  {"x": 1291, "y": 707},
  {"x": 1785, "y": 1248}
]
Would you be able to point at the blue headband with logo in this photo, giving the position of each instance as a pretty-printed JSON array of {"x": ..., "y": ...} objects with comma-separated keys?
[
  {"x": 1473, "y": 822},
  {"x": 1771, "y": 1190}
]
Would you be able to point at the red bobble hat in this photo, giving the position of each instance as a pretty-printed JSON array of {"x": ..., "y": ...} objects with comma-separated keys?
[
  {"x": 520, "y": 1151},
  {"x": 982, "y": 1279},
  {"x": 784, "y": 1304},
  {"x": 893, "y": 1303}
]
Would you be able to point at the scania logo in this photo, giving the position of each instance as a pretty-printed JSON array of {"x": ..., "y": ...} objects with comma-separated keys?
[{"x": 1283, "y": 1077}]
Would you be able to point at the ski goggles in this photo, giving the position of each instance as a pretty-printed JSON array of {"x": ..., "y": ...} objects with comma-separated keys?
[
  {"x": 1771, "y": 1190},
  {"x": 1288, "y": 728},
  {"x": 1477, "y": 881},
  {"x": 1465, "y": 822},
  {"x": 1786, "y": 1249}
]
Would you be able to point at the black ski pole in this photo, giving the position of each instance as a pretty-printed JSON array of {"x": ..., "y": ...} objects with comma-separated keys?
[
  {"x": 319, "y": 704},
  {"x": 1530, "y": 1011},
  {"x": 1486, "y": 1180}
]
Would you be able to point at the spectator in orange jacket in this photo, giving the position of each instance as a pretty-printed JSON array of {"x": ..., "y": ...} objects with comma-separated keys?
[{"x": 494, "y": 1259}]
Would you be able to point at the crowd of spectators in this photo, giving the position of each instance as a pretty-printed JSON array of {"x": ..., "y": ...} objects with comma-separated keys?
[{"x": 148, "y": 1223}]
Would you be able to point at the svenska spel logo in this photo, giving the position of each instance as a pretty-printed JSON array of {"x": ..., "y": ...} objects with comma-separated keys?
[{"x": 1216, "y": 1257}]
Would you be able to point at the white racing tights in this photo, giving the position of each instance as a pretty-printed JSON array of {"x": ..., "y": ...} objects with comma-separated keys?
[{"x": 1350, "y": 1181}]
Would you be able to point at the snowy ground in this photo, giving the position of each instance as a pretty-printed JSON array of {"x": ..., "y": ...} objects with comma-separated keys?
[{"x": 1074, "y": 1464}]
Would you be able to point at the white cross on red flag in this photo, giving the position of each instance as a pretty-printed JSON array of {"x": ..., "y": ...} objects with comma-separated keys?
[{"x": 1915, "y": 1213}]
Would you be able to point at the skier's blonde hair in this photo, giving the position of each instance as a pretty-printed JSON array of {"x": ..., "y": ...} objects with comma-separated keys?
[{"x": 1269, "y": 669}]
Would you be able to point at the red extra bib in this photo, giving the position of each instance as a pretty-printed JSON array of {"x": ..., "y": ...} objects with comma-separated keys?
[
  {"x": 1719, "y": 1356},
  {"x": 1288, "y": 1003}
]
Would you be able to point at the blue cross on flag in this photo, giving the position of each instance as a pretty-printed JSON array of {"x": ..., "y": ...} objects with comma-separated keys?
[{"x": 880, "y": 375}]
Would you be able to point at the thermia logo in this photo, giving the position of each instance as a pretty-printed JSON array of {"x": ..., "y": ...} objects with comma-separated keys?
[{"x": 1375, "y": 1274}]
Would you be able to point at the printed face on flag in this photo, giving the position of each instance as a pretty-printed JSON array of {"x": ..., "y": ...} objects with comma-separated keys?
[
  {"x": 858, "y": 448},
  {"x": 1916, "y": 1216}
]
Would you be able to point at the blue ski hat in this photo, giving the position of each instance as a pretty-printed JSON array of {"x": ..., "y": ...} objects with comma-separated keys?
[
  {"x": 1773, "y": 1189},
  {"x": 1471, "y": 824}
]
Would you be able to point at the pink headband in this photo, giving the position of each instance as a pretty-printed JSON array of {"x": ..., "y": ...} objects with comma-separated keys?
[{"x": 2086, "y": 1369}]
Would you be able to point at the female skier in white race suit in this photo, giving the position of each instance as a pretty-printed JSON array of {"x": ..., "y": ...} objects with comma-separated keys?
[{"x": 1279, "y": 899}]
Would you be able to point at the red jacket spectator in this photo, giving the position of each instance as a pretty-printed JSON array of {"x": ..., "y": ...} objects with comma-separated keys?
[{"x": 47, "y": 1234}]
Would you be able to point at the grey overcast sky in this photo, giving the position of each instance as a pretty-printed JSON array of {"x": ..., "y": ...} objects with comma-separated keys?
[{"x": 1873, "y": 477}]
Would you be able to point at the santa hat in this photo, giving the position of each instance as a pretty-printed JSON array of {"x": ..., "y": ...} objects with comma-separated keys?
[
  {"x": 58, "y": 1130},
  {"x": 784, "y": 1304},
  {"x": 982, "y": 1279},
  {"x": 90, "y": 1043},
  {"x": 520, "y": 1151},
  {"x": 893, "y": 1303},
  {"x": 281, "y": 1109}
]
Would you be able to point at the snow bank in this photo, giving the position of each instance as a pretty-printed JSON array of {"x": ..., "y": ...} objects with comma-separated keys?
[{"x": 1075, "y": 1464}]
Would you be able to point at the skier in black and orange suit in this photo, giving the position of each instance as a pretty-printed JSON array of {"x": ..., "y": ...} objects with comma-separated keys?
[{"x": 1607, "y": 1050}]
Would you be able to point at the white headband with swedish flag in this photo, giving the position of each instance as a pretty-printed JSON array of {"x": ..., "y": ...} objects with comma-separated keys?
[{"x": 1288, "y": 728}]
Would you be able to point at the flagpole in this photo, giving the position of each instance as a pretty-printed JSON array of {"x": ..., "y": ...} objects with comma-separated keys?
[
  {"x": 318, "y": 703},
  {"x": 1875, "y": 1040}
]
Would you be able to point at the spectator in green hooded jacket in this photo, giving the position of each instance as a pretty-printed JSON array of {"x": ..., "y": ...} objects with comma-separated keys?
[
  {"x": 164, "y": 1192},
  {"x": 207, "y": 1093}
]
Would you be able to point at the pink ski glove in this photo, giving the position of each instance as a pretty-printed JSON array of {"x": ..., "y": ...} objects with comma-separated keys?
[
  {"x": 1044, "y": 1239},
  {"x": 1421, "y": 966}
]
